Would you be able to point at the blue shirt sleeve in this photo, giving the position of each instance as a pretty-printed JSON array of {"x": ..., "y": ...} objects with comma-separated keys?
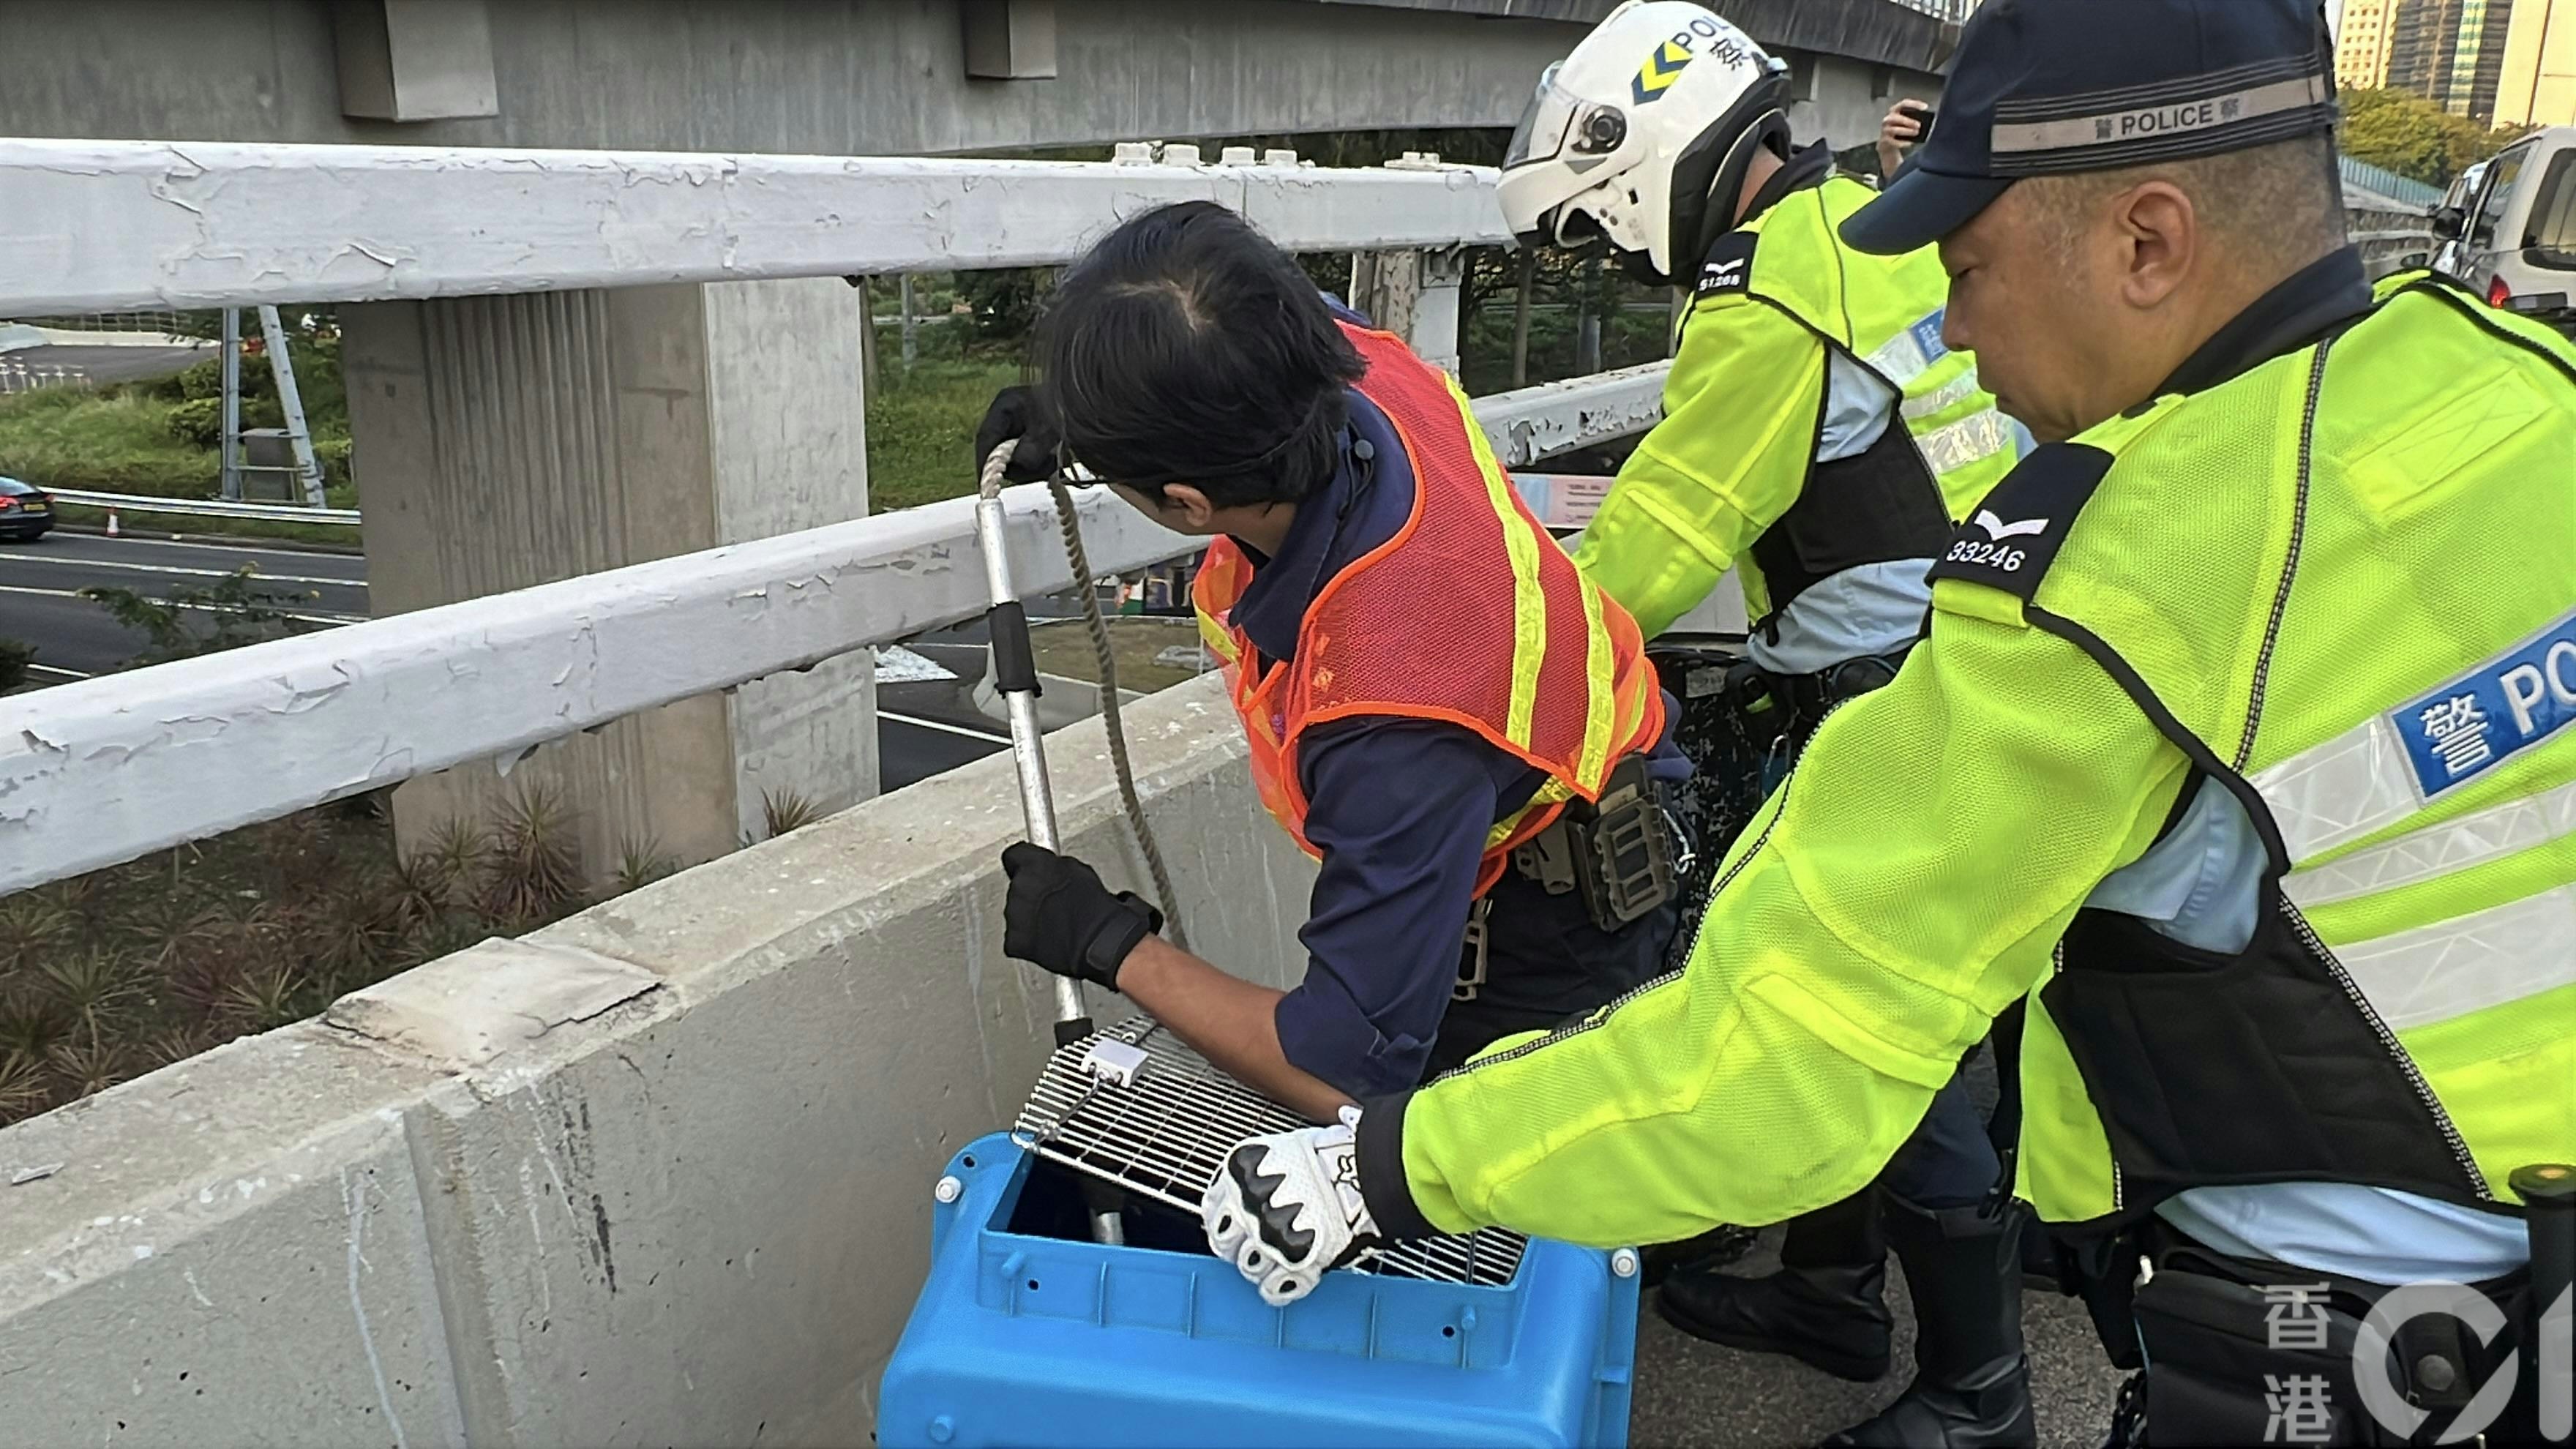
[{"x": 1399, "y": 811}]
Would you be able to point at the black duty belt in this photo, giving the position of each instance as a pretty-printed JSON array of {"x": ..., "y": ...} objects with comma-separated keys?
[{"x": 1797, "y": 702}]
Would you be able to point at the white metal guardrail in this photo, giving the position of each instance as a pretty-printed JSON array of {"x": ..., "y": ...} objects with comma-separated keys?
[
  {"x": 91, "y": 226},
  {"x": 105, "y": 770},
  {"x": 207, "y": 507},
  {"x": 108, "y": 769}
]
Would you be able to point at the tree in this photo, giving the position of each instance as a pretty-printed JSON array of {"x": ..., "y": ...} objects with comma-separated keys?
[
  {"x": 2413, "y": 137},
  {"x": 232, "y": 612}
]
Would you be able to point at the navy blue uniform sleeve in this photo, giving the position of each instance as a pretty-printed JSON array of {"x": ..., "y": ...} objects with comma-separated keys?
[{"x": 1399, "y": 811}]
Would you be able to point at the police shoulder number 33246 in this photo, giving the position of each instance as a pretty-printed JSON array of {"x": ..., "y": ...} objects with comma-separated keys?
[{"x": 1987, "y": 555}]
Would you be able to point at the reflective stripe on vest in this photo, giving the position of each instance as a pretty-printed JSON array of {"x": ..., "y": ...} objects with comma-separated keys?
[
  {"x": 2368, "y": 658},
  {"x": 2385, "y": 773},
  {"x": 1555, "y": 673}
]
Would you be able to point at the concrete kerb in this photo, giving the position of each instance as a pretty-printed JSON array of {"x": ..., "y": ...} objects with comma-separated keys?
[{"x": 659, "y": 1169}]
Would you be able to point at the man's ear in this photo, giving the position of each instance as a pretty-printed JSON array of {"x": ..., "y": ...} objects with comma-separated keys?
[
  {"x": 1183, "y": 502},
  {"x": 2161, "y": 232}
]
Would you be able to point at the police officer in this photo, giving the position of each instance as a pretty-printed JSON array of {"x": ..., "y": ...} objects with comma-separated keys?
[
  {"x": 1438, "y": 707},
  {"x": 1820, "y": 437},
  {"x": 2235, "y": 745}
]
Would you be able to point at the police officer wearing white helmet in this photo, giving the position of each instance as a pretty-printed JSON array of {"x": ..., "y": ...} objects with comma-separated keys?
[{"x": 1819, "y": 439}]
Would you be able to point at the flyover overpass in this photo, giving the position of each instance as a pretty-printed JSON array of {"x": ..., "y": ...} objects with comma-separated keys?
[{"x": 858, "y": 77}]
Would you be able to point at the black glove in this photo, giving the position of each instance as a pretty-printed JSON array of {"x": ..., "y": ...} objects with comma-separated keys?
[
  {"x": 1018, "y": 412},
  {"x": 1061, "y": 917}
]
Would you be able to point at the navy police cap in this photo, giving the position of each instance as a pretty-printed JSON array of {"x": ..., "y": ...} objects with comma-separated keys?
[{"x": 2042, "y": 87}]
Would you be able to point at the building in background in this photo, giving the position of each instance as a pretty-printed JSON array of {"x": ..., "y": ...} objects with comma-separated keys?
[
  {"x": 2537, "y": 86},
  {"x": 2361, "y": 44},
  {"x": 2451, "y": 52}
]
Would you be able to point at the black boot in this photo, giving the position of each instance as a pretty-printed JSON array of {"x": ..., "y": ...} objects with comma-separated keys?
[
  {"x": 1825, "y": 1307},
  {"x": 1971, "y": 1387},
  {"x": 1711, "y": 1250}
]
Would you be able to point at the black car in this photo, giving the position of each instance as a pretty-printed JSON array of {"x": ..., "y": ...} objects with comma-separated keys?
[{"x": 26, "y": 511}]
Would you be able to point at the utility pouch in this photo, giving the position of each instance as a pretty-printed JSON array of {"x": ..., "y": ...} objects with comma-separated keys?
[
  {"x": 2240, "y": 1352},
  {"x": 1622, "y": 848},
  {"x": 1617, "y": 851}
]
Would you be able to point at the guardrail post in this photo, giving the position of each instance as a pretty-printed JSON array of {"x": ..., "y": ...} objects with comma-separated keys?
[
  {"x": 517, "y": 440},
  {"x": 1413, "y": 294}
]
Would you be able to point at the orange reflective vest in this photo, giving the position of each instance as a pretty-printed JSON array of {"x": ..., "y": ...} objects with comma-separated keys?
[{"x": 1471, "y": 615}]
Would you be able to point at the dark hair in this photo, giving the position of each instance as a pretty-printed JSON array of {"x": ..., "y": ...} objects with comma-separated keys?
[{"x": 1185, "y": 348}]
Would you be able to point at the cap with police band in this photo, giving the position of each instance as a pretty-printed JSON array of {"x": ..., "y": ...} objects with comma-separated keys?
[{"x": 2042, "y": 87}]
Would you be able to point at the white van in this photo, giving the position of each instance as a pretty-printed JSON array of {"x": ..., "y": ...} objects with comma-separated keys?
[{"x": 2517, "y": 231}]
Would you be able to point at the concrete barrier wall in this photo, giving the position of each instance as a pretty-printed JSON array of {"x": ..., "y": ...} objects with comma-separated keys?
[{"x": 660, "y": 1173}]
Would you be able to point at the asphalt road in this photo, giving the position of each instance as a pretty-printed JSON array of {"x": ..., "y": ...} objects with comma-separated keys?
[
  {"x": 925, "y": 725},
  {"x": 40, "y": 584}
]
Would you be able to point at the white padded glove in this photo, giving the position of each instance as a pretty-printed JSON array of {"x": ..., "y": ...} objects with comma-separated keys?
[{"x": 1286, "y": 1208}]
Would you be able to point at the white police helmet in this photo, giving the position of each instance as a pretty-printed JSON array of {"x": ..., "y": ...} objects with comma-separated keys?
[{"x": 1643, "y": 135}]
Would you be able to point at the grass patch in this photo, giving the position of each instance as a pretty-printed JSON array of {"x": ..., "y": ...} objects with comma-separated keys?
[
  {"x": 921, "y": 424},
  {"x": 106, "y": 442},
  {"x": 122, "y": 440}
]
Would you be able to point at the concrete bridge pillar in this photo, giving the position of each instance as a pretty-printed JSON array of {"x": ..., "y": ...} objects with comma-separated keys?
[{"x": 504, "y": 442}]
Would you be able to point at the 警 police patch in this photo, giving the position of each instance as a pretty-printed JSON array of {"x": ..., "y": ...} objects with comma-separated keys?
[
  {"x": 1729, "y": 267},
  {"x": 2510, "y": 703},
  {"x": 2011, "y": 539}
]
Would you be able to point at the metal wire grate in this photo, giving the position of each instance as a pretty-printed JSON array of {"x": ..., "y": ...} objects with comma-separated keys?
[{"x": 1165, "y": 1135}]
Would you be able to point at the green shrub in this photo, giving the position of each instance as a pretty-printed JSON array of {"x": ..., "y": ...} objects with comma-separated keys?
[
  {"x": 199, "y": 421},
  {"x": 15, "y": 656},
  {"x": 1006, "y": 300}
]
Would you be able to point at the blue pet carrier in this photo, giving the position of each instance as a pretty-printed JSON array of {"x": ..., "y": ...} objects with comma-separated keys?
[{"x": 1029, "y": 1333}]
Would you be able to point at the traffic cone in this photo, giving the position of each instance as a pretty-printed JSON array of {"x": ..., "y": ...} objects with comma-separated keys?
[{"x": 111, "y": 523}]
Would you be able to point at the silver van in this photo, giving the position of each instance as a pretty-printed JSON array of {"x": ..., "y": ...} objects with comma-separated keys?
[{"x": 2516, "y": 228}]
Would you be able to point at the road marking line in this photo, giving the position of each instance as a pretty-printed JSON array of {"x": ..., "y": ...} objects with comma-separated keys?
[
  {"x": 110, "y": 563},
  {"x": 58, "y": 669},
  {"x": 333, "y": 619},
  {"x": 944, "y": 727}
]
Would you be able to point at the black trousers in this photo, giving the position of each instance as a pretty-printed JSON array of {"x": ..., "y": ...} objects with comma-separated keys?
[{"x": 1547, "y": 964}]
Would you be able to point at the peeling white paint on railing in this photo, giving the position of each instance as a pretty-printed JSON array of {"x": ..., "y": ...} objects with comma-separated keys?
[
  {"x": 1558, "y": 417},
  {"x": 111, "y": 225},
  {"x": 104, "y": 770}
]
